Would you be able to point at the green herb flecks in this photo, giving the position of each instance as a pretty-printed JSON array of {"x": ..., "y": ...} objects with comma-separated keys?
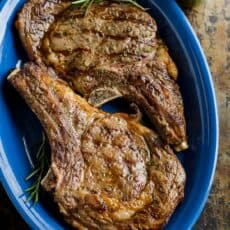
[
  {"x": 38, "y": 171},
  {"x": 86, "y": 4}
]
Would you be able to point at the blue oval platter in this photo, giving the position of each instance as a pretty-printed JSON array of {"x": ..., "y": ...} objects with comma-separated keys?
[{"x": 19, "y": 128}]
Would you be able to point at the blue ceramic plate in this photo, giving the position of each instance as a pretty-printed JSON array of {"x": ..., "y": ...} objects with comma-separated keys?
[{"x": 19, "y": 128}]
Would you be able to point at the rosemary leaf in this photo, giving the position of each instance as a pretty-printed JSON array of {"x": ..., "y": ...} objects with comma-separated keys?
[
  {"x": 36, "y": 197},
  {"x": 39, "y": 171},
  {"x": 86, "y": 4},
  {"x": 31, "y": 188},
  {"x": 88, "y": 7},
  {"x": 41, "y": 146},
  {"x": 78, "y": 2},
  {"x": 32, "y": 174},
  {"x": 31, "y": 197},
  {"x": 133, "y": 2}
]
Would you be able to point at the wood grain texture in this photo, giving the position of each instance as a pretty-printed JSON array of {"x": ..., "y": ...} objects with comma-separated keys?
[{"x": 211, "y": 21}]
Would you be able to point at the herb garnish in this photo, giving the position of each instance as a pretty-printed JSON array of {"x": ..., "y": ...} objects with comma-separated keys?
[
  {"x": 38, "y": 171},
  {"x": 86, "y": 4}
]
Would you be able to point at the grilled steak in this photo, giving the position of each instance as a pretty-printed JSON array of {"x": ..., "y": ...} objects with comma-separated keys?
[
  {"x": 112, "y": 51},
  {"x": 107, "y": 171}
]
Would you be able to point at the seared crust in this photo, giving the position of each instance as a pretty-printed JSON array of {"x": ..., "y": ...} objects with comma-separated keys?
[
  {"x": 113, "y": 50},
  {"x": 34, "y": 21},
  {"x": 107, "y": 171}
]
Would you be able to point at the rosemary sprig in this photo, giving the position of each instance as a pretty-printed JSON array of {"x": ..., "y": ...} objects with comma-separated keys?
[
  {"x": 86, "y": 4},
  {"x": 133, "y": 2},
  {"x": 38, "y": 171}
]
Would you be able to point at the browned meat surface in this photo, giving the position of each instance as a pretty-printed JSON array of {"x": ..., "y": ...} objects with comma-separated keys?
[
  {"x": 112, "y": 51},
  {"x": 107, "y": 171},
  {"x": 35, "y": 20}
]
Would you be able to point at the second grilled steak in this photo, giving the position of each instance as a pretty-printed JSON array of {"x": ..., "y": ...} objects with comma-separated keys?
[{"x": 112, "y": 51}]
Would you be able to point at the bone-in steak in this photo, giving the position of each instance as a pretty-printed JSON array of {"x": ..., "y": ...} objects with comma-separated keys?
[
  {"x": 112, "y": 51},
  {"x": 107, "y": 171}
]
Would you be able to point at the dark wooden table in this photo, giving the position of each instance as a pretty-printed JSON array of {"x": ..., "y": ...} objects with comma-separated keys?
[{"x": 211, "y": 21}]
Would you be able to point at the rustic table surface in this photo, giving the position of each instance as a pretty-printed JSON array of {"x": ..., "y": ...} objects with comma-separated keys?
[{"x": 211, "y": 21}]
